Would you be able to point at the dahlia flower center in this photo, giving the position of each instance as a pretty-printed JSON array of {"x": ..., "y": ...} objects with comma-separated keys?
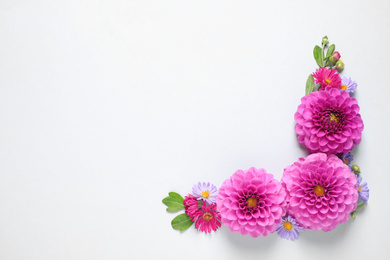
[
  {"x": 205, "y": 194},
  {"x": 252, "y": 202},
  {"x": 319, "y": 190},
  {"x": 343, "y": 87},
  {"x": 207, "y": 216},
  {"x": 333, "y": 118},
  {"x": 360, "y": 189},
  {"x": 328, "y": 81},
  {"x": 287, "y": 225}
]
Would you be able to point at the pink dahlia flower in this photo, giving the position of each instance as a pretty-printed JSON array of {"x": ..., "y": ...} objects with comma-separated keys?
[
  {"x": 327, "y": 77},
  {"x": 329, "y": 121},
  {"x": 321, "y": 191},
  {"x": 251, "y": 202}
]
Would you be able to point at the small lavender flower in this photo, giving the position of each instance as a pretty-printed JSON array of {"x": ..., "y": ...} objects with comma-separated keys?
[
  {"x": 364, "y": 192},
  {"x": 348, "y": 85},
  {"x": 347, "y": 159},
  {"x": 207, "y": 192},
  {"x": 289, "y": 228}
]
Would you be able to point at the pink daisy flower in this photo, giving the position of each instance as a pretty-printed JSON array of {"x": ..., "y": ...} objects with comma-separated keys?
[
  {"x": 329, "y": 121},
  {"x": 251, "y": 202},
  {"x": 207, "y": 218},
  {"x": 327, "y": 77},
  {"x": 321, "y": 191}
]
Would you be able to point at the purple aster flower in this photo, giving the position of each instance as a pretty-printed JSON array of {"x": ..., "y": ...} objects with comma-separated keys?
[
  {"x": 364, "y": 192},
  {"x": 347, "y": 159},
  {"x": 348, "y": 85},
  {"x": 205, "y": 191},
  {"x": 289, "y": 228}
]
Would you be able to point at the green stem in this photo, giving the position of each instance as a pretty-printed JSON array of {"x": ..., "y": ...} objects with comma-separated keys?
[{"x": 323, "y": 58}]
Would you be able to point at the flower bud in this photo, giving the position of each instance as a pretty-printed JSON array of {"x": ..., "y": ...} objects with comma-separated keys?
[
  {"x": 339, "y": 65},
  {"x": 353, "y": 214},
  {"x": 325, "y": 40},
  {"x": 355, "y": 169},
  {"x": 334, "y": 57}
]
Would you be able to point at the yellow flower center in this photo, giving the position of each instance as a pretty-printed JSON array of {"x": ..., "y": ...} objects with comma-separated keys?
[
  {"x": 207, "y": 216},
  {"x": 287, "y": 225},
  {"x": 346, "y": 161},
  {"x": 205, "y": 194},
  {"x": 319, "y": 190},
  {"x": 333, "y": 118},
  {"x": 328, "y": 81},
  {"x": 360, "y": 189},
  {"x": 343, "y": 87},
  {"x": 252, "y": 202}
]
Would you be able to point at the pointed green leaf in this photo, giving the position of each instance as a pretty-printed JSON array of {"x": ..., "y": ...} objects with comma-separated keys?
[
  {"x": 176, "y": 196},
  {"x": 317, "y": 52},
  {"x": 181, "y": 222},
  {"x": 173, "y": 206},
  {"x": 174, "y": 202},
  {"x": 309, "y": 85},
  {"x": 173, "y": 209},
  {"x": 330, "y": 50}
]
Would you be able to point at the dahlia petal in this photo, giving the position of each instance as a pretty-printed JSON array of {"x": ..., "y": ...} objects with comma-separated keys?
[
  {"x": 231, "y": 215},
  {"x": 312, "y": 210},
  {"x": 234, "y": 225}
]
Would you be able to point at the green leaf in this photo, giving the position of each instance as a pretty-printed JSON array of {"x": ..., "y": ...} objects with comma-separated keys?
[
  {"x": 174, "y": 202},
  {"x": 309, "y": 85},
  {"x": 176, "y": 196},
  {"x": 317, "y": 52},
  {"x": 330, "y": 50},
  {"x": 181, "y": 222},
  {"x": 360, "y": 206},
  {"x": 173, "y": 209}
]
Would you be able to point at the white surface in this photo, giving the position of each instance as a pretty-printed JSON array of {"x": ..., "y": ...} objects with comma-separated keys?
[{"x": 106, "y": 106}]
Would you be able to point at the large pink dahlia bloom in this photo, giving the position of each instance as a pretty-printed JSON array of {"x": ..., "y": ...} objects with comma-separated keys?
[
  {"x": 329, "y": 121},
  {"x": 251, "y": 202},
  {"x": 321, "y": 191}
]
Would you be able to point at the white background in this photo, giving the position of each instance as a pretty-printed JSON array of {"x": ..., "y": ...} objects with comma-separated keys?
[{"x": 106, "y": 106}]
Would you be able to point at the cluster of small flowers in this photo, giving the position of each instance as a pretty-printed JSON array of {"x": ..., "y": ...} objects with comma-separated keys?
[
  {"x": 317, "y": 192},
  {"x": 201, "y": 208}
]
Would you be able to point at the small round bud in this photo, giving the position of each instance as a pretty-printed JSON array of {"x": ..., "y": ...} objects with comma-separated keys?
[
  {"x": 353, "y": 214},
  {"x": 334, "y": 57},
  {"x": 355, "y": 168},
  {"x": 339, "y": 65},
  {"x": 325, "y": 40}
]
